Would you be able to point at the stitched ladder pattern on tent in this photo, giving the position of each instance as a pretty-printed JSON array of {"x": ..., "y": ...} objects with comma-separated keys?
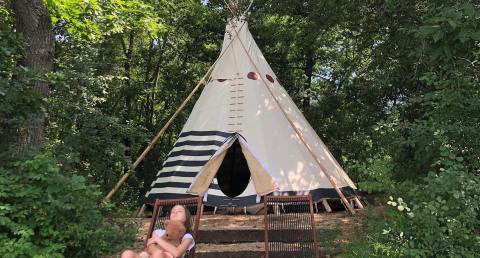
[{"x": 289, "y": 227}]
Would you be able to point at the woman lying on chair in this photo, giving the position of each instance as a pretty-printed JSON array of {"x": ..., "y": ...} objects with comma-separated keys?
[{"x": 160, "y": 247}]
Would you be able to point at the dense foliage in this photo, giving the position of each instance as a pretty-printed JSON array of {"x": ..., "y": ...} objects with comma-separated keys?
[
  {"x": 45, "y": 212},
  {"x": 391, "y": 86},
  {"x": 435, "y": 166}
]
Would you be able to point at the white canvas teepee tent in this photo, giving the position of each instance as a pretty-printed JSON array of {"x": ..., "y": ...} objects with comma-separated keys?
[{"x": 246, "y": 138}]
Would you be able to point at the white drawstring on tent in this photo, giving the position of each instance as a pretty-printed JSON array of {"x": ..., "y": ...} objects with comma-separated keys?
[{"x": 205, "y": 196}]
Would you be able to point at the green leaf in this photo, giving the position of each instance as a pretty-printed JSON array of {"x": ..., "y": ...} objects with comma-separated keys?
[
  {"x": 475, "y": 35},
  {"x": 437, "y": 36},
  {"x": 452, "y": 24}
]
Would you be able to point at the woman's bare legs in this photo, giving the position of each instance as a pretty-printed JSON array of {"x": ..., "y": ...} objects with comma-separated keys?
[
  {"x": 157, "y": 253},
  {"x": 161, "y": 254},
  {"x": 129, "y": 254}
]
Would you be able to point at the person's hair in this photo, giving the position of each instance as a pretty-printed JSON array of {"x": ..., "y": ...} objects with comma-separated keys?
[{"x": 188, "y": 218}]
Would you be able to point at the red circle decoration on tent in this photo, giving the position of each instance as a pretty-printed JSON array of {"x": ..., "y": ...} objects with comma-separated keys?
[
  {"x": 270, "y": 78},
  {"x": 221, "y": 80},
  {"x": 252, "y": 75}
]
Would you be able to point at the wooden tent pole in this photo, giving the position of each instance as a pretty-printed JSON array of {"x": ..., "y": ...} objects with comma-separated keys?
[
  {"x": 228, "y": 7},
  {"x": 165, "y": 127},
  {"x": 157, "y": 137},
  {"x": 325, "y": 171},
  {"x": 358, "y": 202},
  {"x": 326, "y": 206}
]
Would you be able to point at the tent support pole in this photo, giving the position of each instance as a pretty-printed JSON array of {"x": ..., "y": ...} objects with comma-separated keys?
[
  {"x": 140, "y": 211},
  {"x": 326, "y": 206},
  {"x": 330, "y": 178},
  {"x": 165, "y": 127},
  {"x": 358, "y": 202}
]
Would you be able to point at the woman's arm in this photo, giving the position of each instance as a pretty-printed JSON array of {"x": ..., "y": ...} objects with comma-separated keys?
[
  {"x": 176, "y": 251},
  {"x": 151, "y": 240}
]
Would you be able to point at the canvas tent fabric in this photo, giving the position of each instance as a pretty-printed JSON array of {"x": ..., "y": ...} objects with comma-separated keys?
[{"x": 237, "y": 107}]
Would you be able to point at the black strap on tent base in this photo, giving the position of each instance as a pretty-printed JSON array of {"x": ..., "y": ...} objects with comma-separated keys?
[{"x": 290, "y": 227}]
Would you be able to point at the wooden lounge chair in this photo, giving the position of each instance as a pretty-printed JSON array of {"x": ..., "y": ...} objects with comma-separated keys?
[
  {"x": 290, "y": 227},
  {"x": 161, "y": 212}
]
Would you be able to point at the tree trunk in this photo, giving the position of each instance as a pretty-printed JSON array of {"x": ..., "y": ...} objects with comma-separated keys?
[
  {"x": 129, "y": 92},
  {"x": 148, "y": 85},
  {"x": 309, "y": 64},
  {"x": 32, "y": 20}
]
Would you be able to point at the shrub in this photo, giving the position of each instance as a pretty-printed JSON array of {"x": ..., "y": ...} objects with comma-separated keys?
[
  {"x": 375, "y": 175},
  {"x": 44, "y": 213},
  {"x": 437, "y": 218}
]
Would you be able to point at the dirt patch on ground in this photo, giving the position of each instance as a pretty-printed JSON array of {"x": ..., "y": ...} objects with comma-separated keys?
[
  {"x": 322, "y": 220},
  {"x": 342, "y": 226}
]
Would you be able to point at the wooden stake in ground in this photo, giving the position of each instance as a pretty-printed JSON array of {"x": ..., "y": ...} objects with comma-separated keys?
[
  {"x": 326, "y": 206},
  {"x": 358, "y": 202}
]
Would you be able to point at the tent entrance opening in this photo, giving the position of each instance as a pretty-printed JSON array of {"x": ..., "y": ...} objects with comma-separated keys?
[{"x": 233, "y": 175}]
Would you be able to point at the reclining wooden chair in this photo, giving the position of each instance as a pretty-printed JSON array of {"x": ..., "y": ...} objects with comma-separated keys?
[
  {"x": 161, "y": 212},
  {"x": 290, "y": 227}
]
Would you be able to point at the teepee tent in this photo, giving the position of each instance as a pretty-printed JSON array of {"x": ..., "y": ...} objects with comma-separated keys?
[{"x": 245, "y": 138}]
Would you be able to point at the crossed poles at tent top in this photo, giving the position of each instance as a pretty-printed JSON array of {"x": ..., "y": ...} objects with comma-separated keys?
[{"x": 235, "y": 7}]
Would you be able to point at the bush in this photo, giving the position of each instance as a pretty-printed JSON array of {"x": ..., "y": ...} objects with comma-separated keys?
[
  {"x": 375, "y": 175},
  {"x": 438, "y": 218},
  {"x": 44, "y": 213}
]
